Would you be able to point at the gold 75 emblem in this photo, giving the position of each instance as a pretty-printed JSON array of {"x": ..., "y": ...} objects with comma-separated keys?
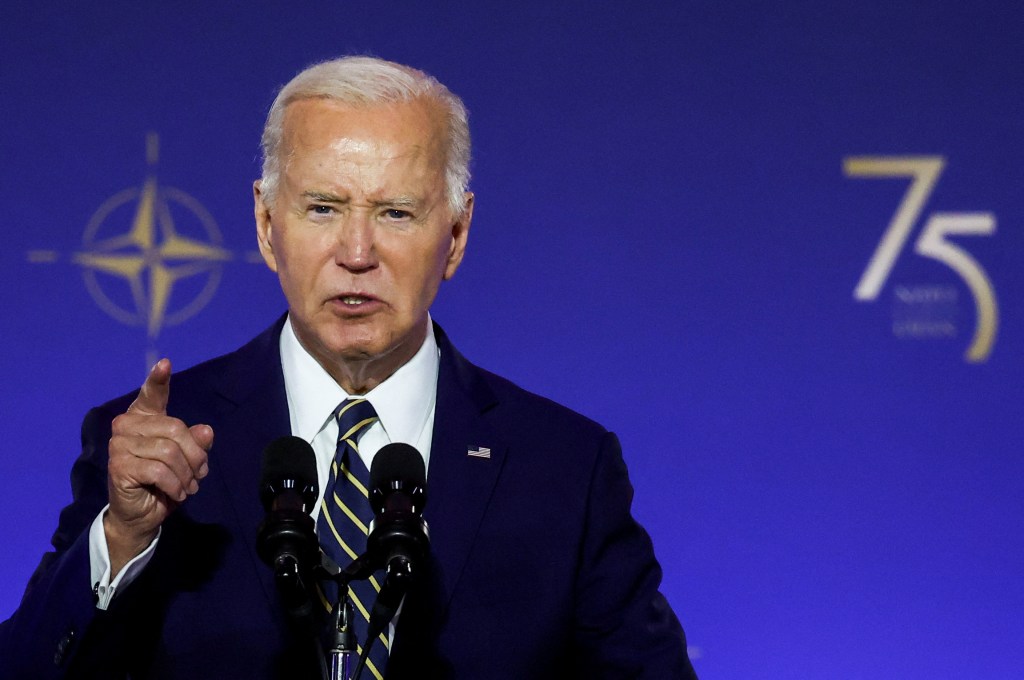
[{"x": 924, "y": 171}]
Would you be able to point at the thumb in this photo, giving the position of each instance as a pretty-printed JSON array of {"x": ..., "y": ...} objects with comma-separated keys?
[{"x": 152, "y": 399}]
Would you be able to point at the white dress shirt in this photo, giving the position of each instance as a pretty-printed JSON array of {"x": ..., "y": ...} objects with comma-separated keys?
[{"x": 404, "y": 404}]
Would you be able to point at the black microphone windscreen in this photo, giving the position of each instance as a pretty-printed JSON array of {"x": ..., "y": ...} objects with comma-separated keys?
[
  {"x": 289, "y": 458},
  {"x": 397, "y": 461}
]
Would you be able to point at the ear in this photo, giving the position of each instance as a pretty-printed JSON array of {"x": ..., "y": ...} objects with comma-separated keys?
[
  {"x": 460, "y": 234},
  {"x": 263, "y": 226}
]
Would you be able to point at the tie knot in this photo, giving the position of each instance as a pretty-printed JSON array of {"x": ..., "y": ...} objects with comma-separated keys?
[{"x": 354, "y": 416}]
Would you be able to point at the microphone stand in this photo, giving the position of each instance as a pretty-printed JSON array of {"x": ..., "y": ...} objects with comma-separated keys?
[{"x": 343, "y": 642}]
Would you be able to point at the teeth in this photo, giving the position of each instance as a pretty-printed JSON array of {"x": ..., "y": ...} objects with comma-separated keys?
[{"x": 353, "y": 300}]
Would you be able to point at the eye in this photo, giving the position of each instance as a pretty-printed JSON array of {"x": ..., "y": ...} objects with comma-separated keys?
[
  {"x": 396, "y": 214},
  {"x": 321, "y": 209}
]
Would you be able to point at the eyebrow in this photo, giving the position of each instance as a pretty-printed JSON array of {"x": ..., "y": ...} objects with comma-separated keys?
[
  {"x": 321, "y": 196},
  {"x": 398, "y": 202}
]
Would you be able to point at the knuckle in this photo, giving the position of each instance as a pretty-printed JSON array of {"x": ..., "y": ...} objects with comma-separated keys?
[
  {"x": 117, "y": 447},
  {"x": 177, "y": 429},
  {"x": 165, "y": 448},
  {"x": 163, "y": 478}
]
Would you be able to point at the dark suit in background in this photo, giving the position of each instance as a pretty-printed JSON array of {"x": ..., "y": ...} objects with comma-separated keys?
[{"x": 537, "y": 568}]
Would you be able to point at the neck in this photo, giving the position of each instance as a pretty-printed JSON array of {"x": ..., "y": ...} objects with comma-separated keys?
[{"x": 360, "y": 374}]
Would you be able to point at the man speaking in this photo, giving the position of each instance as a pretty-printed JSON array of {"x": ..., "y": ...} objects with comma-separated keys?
[{"x": 536, "y": 568}]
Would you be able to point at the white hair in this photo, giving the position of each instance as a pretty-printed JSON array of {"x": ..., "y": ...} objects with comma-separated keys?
[{"x": 368, "y": 80}]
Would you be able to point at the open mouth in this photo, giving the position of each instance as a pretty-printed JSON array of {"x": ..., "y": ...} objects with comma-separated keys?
[{"x": 354, "y": 302}]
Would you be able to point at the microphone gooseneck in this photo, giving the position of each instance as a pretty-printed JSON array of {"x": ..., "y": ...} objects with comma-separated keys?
[{"x": 398, "y": 540}]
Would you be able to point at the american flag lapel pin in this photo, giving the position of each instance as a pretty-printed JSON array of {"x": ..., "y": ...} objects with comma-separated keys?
[{"x": 479, "y": 452}]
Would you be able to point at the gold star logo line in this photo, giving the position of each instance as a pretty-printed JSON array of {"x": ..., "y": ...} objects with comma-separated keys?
[{"x": 153, "y": 256}]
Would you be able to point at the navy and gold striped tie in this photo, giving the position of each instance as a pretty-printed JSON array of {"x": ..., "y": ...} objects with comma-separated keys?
[{"x": 345, "y": 516}]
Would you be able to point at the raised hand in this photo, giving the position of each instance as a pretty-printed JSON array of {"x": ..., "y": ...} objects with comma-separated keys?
[{"x": 155, "y": 463}]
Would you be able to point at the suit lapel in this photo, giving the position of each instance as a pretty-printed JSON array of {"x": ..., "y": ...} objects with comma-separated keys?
[
  {"x": 255, "y": 412},
  {"x": 459, "y": 485}
]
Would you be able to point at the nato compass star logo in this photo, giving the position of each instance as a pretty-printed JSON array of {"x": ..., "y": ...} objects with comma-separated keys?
[{"x": 151, "y": 256}]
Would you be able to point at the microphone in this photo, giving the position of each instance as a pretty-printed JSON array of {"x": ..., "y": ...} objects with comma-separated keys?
[
  {"x": 286, "y": 539},
  {"x": 288, "y": 477},
  {"x": 398, "y": 536}
]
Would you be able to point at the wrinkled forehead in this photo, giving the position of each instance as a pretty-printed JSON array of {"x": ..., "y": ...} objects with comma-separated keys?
[{"x": 416, "y": 127}]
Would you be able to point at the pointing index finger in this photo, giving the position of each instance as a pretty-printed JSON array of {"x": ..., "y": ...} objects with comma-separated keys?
[{"x": 152, "y": 399}]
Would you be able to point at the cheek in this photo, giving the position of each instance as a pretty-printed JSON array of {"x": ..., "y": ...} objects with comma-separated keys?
[
  {"x": 301, "y": 251},
  {"x": 429, "y": 276},
  {"x": 298, "y": 275}
]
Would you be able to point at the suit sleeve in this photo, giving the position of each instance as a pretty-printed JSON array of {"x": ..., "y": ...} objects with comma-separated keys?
[
  {"x": 624, "y": 627},
  {"x": 58, "y": 609}
]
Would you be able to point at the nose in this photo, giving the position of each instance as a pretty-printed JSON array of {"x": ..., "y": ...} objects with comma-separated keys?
[{"x": 355, "y": 250}]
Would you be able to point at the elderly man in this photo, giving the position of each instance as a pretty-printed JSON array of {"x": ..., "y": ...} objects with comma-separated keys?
[{"x": 536, "y": 568}]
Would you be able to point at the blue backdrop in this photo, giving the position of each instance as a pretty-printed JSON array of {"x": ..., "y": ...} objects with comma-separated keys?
[{"x": 676, "y": 203}]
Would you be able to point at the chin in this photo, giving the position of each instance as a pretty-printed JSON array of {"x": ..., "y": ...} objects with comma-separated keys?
[
  {"x": 355, "y": 349},
  {"x": 348, "y": 342},
  {"x": 333, "y": 343}
]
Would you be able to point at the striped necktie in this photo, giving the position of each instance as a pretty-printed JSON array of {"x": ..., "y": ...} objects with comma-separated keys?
[{"x": 345, "y": 516}]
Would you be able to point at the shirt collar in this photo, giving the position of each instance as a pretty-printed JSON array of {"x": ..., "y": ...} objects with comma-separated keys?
[{"x": 403, "y": 402}]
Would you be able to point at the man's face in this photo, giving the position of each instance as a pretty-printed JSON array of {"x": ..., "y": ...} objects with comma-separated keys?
[{"x": 360, "y": 232}]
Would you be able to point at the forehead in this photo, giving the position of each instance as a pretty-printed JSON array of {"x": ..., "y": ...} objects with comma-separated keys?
[{"x": 402, "y": 129}]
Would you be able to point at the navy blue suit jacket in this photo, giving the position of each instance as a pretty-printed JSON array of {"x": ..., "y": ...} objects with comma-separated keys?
[{"x": 537, "y": 569}]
